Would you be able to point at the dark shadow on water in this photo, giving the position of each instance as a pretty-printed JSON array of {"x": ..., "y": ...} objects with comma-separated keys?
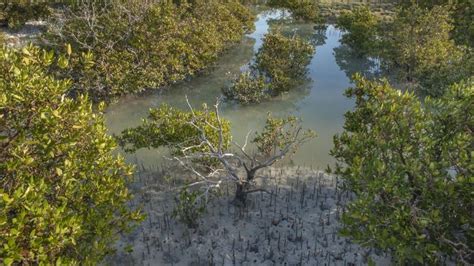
[{"x": 350, "y": 62}]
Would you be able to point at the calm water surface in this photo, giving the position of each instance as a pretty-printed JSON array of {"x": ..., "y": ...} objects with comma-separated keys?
[{"x": 319, "y": 102}]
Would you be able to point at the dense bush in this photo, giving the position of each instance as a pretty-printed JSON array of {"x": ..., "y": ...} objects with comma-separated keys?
[
  {"x": 419, "y": 44},
  {"x": 361, "y": 27},
  {"x": 139, "y": 45},
  {"x": 307, "y": 10},
  {"x": 461, "y": 13},
  {"x": 283, "y": 60},
  {"x": 410, "y": 166},
  {"x": 247, "y": 89},
  {"x": 63, "y": 195},
  {"x": 16, "y": 14},
  {"x": 169, "y": 127},
  {"x": 280, "y": 64}
]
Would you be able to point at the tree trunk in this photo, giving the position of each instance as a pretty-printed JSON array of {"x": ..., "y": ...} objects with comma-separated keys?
[
  {"x": 242, "y": 187},
  {"x": 240, "y": 194}
]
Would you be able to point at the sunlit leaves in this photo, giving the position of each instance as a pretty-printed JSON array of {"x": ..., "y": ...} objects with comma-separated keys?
[
  {"x": 63, "y": 195},
  {"x": 409, "y": 165},
  {"x": 418, "y": 43},
  {"x": 138, "y": 45},
  {"x": 280, "y": 64},
  {"x": 278, "y": 134},
  {"x": 170, "y": 127}
]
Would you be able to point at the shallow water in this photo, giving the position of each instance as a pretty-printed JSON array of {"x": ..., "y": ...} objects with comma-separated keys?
[{"x": 319, "y": 102}]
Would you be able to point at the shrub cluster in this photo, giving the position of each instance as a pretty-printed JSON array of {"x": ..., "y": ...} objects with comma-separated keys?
[
  {"x": 417, "y": 45},
  {"x": 283, "y": 60},
  {"x": 360, "y": 26},
  {"x": 200, "y": 139},
  {"x": 139, "y": 45},
  {"x": 410, "y": 165},
  {"x": 248, "y": 88},
  {"x": 280, "y": 64},
  {"x": 63, "y": 194},
  {"x": 169, "y": 127}
]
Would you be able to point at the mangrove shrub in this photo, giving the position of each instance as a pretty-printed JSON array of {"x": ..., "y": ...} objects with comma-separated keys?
[
  {"x": 169, "y": 127},
  {"x": 280, "y": 64},
  {"x": 283, "y": 60},
  {"x": 63, "y": 193},
  {"x": 461, "y": 12},
  {"x": 410, "y": 166},
  {"x": 360, "y": 25},
  {"x": 248, "y": 88},
  {"x": 418, "y": 44},
  {"x": 142, "y": 44}
]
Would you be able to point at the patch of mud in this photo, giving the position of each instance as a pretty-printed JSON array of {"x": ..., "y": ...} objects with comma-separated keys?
[{"x": 296, "y": 223}]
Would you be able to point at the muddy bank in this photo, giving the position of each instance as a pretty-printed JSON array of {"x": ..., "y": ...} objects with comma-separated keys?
[{"x": 296, "y": 223}]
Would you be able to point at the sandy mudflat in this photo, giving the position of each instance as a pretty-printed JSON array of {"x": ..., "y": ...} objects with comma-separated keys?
[{"x": 295, "y": 224}]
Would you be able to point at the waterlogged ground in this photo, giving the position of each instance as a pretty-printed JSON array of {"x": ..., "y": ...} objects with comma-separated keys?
[
  {"x": 296, "y": 223},
  {"x": 319, "y": 102}
]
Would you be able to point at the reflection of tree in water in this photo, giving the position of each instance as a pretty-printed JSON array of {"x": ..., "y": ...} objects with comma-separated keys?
[
  {"x": 319, "y": 37},
  {"x": 349, "y": 62},
  {"x": 314, "y": 33},
  {"x": 254, "y": 116}
]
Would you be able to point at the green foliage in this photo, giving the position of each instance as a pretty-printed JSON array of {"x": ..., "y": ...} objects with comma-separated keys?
[
  {"x": 361, "y": 27},
  {"x": 277, "y": 134},
  {"x": 463, "y": 15},
  {"x": 199, "y": 139},
  {"x": 18, "y": 13},
  {"x": 283, "y": 60},
  {"x": 307, "y": 10},
  {"x": 410, "y": 165},
  {"x": 190, "y": 207},
  {"x": 247, "y": 89},
  {"x": 63, "y": 194},
  {"x": 419, "y": 45},
  {"x": 280, "y": 64},
  {"x": 140, "y": 45},
  {"x": 170, "y": 127}
]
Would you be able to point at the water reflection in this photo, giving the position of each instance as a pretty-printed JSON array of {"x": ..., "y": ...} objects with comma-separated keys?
[{"x": 351, "y": 63}]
